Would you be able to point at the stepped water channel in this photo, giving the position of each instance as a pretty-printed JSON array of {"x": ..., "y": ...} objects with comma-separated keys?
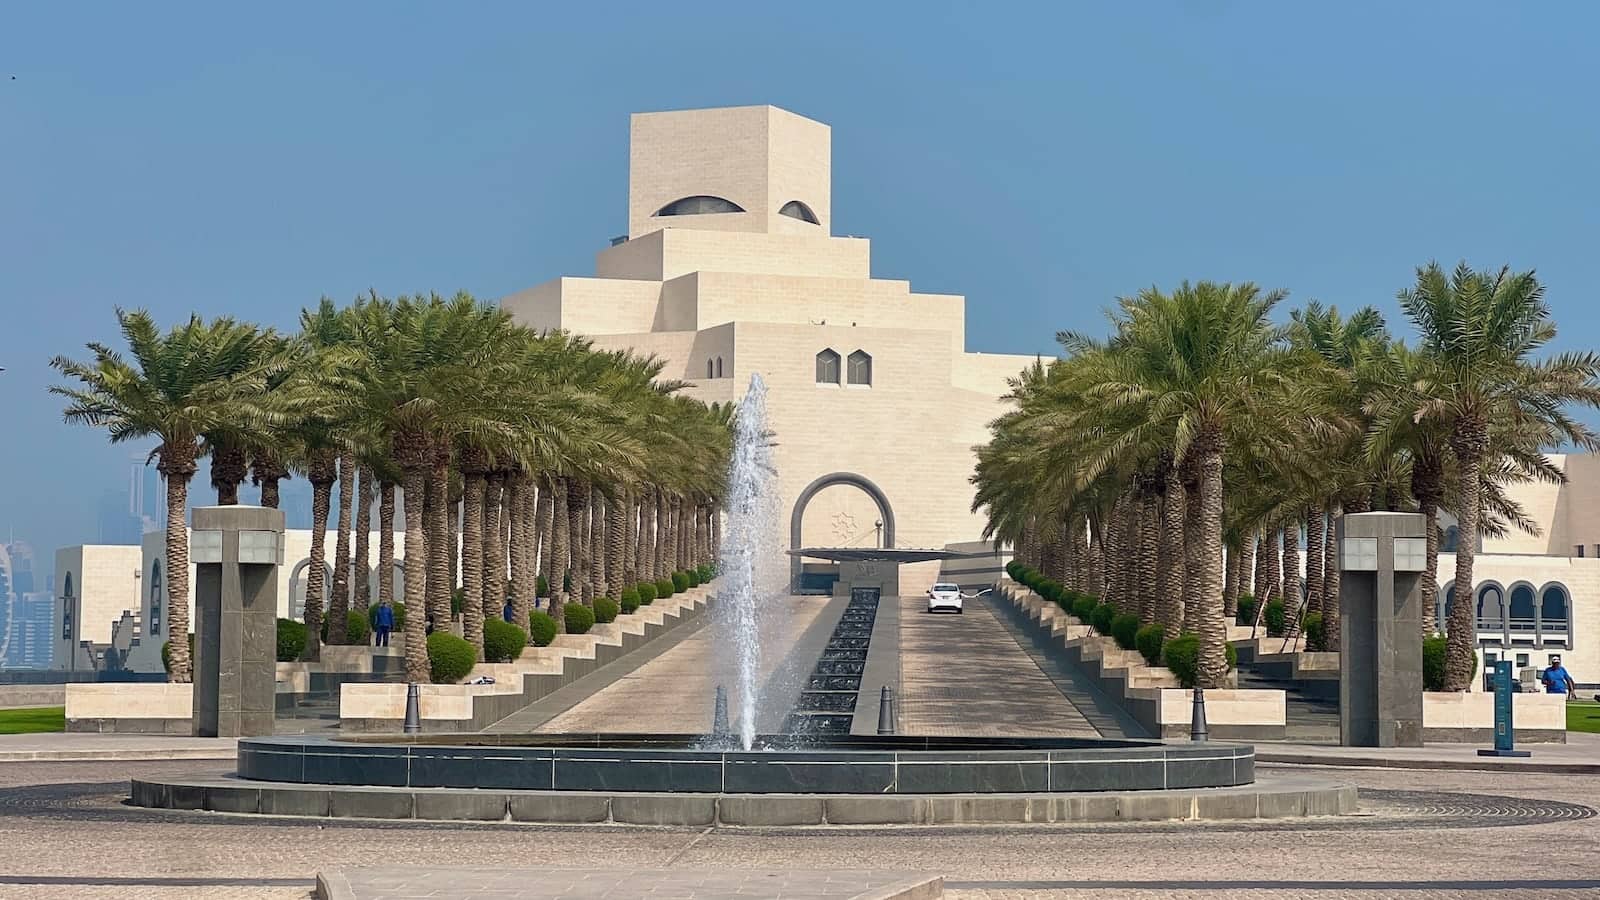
[{"x": 827, "y": 703}]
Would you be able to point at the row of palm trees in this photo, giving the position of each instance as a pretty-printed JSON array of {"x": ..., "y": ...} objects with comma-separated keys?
[
  {"x": 552, "y": 459},
  {"x": 1171, "y": 467}
]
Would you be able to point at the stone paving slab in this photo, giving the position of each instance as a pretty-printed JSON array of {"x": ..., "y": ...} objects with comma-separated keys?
[
  {"x": 81, "y": 746},
  {"x": 404, "y": 883},
  {"x": 966, "y": 675}
]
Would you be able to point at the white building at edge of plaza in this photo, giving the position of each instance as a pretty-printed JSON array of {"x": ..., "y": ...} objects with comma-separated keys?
[{"x": 730, "y": 268}]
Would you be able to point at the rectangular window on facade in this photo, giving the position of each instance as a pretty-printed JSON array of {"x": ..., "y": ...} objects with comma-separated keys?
[
  {"x": 1361, "y": 554},
  {"x": 1580, "y": 549},
  {"x": 1410, "y": 554}
]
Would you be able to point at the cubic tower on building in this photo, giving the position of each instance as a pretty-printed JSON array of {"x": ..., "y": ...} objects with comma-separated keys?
[{"x": 730, "y": 268}]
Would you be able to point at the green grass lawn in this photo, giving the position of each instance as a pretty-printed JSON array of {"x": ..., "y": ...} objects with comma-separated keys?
[
  {"x": 42, "y": 719},
  {"x": 1583, "y": 716}
]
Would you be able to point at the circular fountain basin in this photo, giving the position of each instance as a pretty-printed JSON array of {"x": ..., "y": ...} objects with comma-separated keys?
[{"x": 695, "y": 764}]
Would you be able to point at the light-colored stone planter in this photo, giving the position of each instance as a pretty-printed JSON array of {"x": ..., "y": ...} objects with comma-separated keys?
[{"x": 1469, "y": 718}]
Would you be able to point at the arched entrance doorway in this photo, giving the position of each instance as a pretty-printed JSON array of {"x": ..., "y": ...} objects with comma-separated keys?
[{"x": 851, "y": 511}]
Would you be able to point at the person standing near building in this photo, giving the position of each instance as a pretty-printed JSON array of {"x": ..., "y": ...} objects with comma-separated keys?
[
  {"x": 1556, "y": 679},
  {"x": 384, "y": 619}
]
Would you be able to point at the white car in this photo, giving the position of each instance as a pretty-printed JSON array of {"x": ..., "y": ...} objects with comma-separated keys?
[{"x": 944, "y": 596}]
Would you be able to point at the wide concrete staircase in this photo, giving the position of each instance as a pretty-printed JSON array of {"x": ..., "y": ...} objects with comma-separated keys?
[{"x": 1308, "y": 679}]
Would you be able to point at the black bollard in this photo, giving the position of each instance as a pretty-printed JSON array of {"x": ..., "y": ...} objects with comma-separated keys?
[
  {"x": 886, "y": 711},
  {"x": 1197, "y": 719},
  {"x": 413, "y": 709},
  {"x": 719, "y": 713}
]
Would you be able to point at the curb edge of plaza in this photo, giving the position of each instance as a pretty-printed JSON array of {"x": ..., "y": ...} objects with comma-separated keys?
[
  {"x": 10, "y": 756},
  {"x": 1267, "y": 756}
]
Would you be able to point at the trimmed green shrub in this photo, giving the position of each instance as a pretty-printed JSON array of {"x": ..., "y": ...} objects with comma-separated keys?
[
  {"x": 630, "y": 600},
  {"x": 1182, "y": 655},
  {"x": 502, "y": 641},
  {"x": 1012, "y": 568},
  {"x": 399, "y": 616},
  {"x": 1274, "y": 618},
  {"x": 450, "y": 658},
  {"x": 291, "y": 640},
  {"x": 1103, "y": 616},
  {"x": 605, "y": 610},
  {"x": 1083, "y": 608},
  {"x": 1434, "y": 652},
  {"x": 1316, "y": 637},
  {"x": 1148, "y": 641},
  {"x": 541, "y": 586},
  {"x": 579, "y": 618},
  {"x": 665, "y": 589},
  {"x": 706, "y": 573},
  {"x": 166, "y": 652},
  {"x": 541, "y": 628},
  {"x": 647, "y": 593},
  {"x": 356, "y": 630},
  {"x": 680, "y": 582},
  {"x": 694, "y": 578},
  {"x": 1125, "y": 628},
  {"x": 1247, "y": 610}
]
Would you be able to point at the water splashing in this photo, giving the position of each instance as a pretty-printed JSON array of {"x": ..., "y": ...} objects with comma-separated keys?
[{"x": 749, "y": 563}]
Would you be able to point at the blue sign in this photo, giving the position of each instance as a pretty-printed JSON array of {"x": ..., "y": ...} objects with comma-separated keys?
[{"x": 1504, "y": 733}]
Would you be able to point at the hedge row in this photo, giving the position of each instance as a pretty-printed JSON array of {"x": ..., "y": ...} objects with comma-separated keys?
[{"x": 1179, "y": 654}]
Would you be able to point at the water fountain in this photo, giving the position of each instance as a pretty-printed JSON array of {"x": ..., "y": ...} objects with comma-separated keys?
[
  {"x": 747, "y": 570},
  {"x": 813, "y": 775}
]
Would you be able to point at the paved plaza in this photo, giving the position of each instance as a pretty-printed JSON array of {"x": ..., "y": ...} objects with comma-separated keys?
[{"x": 1425, "y": 834}]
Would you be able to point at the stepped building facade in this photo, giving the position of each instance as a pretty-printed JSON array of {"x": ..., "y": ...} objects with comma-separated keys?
[{"x": 730, "y": 268}]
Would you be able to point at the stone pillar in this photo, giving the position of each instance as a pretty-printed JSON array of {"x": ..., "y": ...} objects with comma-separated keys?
[
  {"x": 237, "y": 551},
  {"x": 1381, "y": 559}
]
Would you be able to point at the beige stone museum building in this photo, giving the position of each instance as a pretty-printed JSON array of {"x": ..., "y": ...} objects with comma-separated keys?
[{"x": 731, "y": 268}]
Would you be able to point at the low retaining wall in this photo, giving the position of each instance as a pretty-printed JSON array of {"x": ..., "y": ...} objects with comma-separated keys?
[
  {"x": 1468, "y": 718},
  {"x": 16, "y": 696},
  {"x": 1151, "y": 694},
  {"x": 539, "y": 672},
  {"x": 159, "y": 708}
]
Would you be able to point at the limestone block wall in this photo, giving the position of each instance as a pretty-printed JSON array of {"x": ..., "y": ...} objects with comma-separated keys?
[
  {"x": 100, "y": 579},
  {"x": 676, "y": 249}
]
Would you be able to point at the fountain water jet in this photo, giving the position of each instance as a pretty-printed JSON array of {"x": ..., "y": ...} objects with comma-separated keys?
[{"x": 748, "y": 565}]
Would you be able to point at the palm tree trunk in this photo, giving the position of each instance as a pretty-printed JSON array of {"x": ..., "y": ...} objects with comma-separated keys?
[
  {"x": 1291, "y": 577},
  {"x": 1316, "y": 544},
  {"x": 504, "y": 559},
  {"x": 1469, "y": 441},
  {"x": 1171, "y": 557},
  {"x": 472, "y": 549},
  {"x": 416, "y": 573},
  {"x": 386, "y": 542},
  {"x": 630, "y": 540},
  {"x": 1212, "y": 667},
  {"x": 547, "y": 534},
  {"x": 616, "y": 542},
  {"x": 1149, "y": 571},
  {"x": 177, "y": 467},
  {"x": 266, "y": 471},
  {"x": 1330, "y": 577},
  {"x": 716, "y": 533},
  {"x": 663, "y": 533},
  {"x": 1230, "y": 582},
  {"x": 560, "y": 552},
  {"x": 1275, "y": 564},
  {"x": 1430, "y": 575},
  {"x": 522, "y": 509},
  {"x": 363, "y": 562},
  {"x": 486, "y": 555},
  {"x": 436, "y": 519},
  {"x": 598, "y": 518},
  {"x": 1258, "y": 577},
  {"x": 1195, "y": 596},
  {"x": 316, "y": 572},
  {"x": 1097, "y": 558},
  {"x": 577, "y": 514},
  {"x": 228, "y": 469},
  {"x": 339, "y": 605}
]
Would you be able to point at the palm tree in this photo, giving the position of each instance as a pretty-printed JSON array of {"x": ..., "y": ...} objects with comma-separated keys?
[
  {"x": 1480, "y": 331},
  {"x": 198, "y": 378},
  {"x": 1194, "y": 365}
]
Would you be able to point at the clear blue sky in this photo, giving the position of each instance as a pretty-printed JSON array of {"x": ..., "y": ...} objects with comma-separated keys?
[{"x": 1039, "y": 159}]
